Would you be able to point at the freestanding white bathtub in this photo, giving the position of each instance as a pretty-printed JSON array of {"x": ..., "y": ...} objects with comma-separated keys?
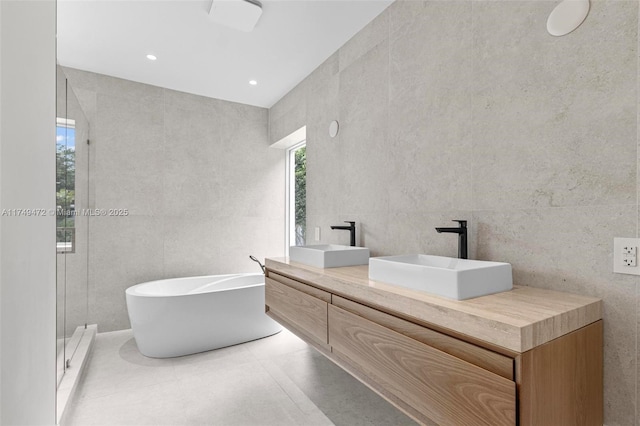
[{"x": 183, "y": 316}]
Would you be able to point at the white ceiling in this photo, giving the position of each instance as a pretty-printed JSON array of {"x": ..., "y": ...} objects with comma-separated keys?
[{"x": 196, "y": 55}]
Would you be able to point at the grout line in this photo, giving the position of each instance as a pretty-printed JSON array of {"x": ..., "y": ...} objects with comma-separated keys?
[
  {"x": 295, "y": 394},
  {"x": 637, "y": 210},
  {"x": 637, "y": 203},
  {"x": 162, "y": 216}
]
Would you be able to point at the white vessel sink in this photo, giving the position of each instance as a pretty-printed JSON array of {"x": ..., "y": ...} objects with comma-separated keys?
[
  {"x": 443, "y": 276},
  {"x": 329, "y": 255}
]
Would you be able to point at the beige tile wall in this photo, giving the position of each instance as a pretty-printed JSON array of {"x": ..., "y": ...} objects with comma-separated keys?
[
  {"x": 470, "y": 110},
  {"x": 202, "y": 186}
]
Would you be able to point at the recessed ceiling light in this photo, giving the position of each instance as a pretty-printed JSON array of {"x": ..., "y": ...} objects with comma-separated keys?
[
  {"x": 151, "y": 57},
  {"x": 253, "y": 82}
]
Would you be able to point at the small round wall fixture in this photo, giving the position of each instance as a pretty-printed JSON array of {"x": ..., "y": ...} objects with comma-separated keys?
[
  {"x": 151, "y": 57},
  {"x": 567, "y": 16},
  {"x": 333, "y": 128}
]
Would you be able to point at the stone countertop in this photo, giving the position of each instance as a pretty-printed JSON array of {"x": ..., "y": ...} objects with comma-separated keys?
[{"x": 517, "y": 320}]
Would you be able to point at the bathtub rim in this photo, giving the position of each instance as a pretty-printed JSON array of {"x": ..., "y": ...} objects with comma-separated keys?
[{"x": 131, "y": 291}]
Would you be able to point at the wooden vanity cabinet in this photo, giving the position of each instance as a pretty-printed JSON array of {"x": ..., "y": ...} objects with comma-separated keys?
[
  {"x": 439, "y": 379},
  {"x": 299, "y": 307},
  {"x": 561, "y": 382}
]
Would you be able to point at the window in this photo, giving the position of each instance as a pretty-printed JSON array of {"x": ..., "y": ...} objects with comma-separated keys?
[
  {"x": 297, "y": 194},
  {"x": 65, "y": 185}
]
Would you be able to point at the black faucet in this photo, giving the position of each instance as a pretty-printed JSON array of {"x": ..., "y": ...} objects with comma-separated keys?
[
  {"x": 351, "y": 228},
  {"x": 462, "y": 237}
]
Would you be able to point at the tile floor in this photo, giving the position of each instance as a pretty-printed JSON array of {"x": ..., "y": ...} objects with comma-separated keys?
[{"x": 278, "y": 380}]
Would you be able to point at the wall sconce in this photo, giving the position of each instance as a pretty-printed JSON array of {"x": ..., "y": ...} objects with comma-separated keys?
[
  {"x": 333, "y": 128},
  {"x": 567, "y": 16}
]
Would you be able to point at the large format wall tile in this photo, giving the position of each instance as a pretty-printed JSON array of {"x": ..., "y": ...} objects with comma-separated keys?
[
  {"x": 560, "y": 127},
  {"x": 320, "y": 76},
  {"x": 402, "y": 14},
  {"x": 191, "y": 172},
  {"x": 141, "y": 195},
  {"x": 192, "y": 246},
  {"x": 128, "y": 147},
  {"x": 325, "y": 175},
  {"x": 562, "y": 248},
  {"x": 364, "y": 152},
  {"x": 430, "y": 131},
  {"x": 130, "y": 135},
  {"x": 123, "y": 251},
  {"x": 370, "y": 36},
  {"x": 288, "y": 115}
]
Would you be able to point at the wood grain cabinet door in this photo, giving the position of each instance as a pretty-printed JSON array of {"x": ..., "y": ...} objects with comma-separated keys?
[
  {"x": 561, "y": 381},
  {"x": 430, "y": 384},
  {"x": 298, "y": 311}
]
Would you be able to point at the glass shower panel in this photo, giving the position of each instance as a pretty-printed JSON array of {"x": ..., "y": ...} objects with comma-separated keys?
[
  {"x": 72, "y": 194},
  {"x": 61, "y": 114},
  {"x": 76, "y": 217}
]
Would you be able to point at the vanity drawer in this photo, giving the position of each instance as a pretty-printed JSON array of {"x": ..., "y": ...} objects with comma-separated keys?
[
  {"x": 431, "y": 385},
  {"x": 305, "y": 288},
  {"x": 298, "y": 310},
  {"x": 484, "y": 358}
]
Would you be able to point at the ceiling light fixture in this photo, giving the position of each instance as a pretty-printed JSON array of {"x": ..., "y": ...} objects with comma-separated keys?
[
  {"x": 151, "y": 57},
  {"x": 253, "y": 82},
  {"x": 241, "y": 15}
]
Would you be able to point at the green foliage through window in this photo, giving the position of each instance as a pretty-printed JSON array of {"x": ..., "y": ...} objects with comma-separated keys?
[
  {"x": 65, "y": 183},
  {"x": 300, "y": 195}
]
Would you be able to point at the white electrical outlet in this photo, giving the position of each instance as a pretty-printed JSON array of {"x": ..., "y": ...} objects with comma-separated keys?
[
  {"x": 317, "y": 233},
  {"x": 625, "y": 255},
  {"x": 629, "y": 260},
  {"x": 629, "y": 255}
]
